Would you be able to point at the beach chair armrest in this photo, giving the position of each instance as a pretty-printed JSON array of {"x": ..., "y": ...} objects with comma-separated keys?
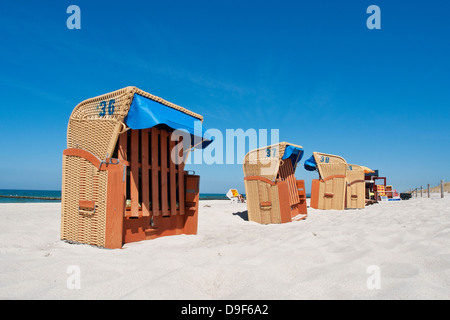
[{"x": 258, "y": 178}]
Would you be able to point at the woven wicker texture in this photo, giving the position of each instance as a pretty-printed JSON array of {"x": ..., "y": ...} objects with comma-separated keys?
[
  {"x": 355, "y": 187},
  {"x": 82, "y": 181}
]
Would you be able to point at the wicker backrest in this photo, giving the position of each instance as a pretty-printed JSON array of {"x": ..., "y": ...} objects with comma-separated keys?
[
  {"x": 323, "y": 161},
  {"x": 83, "y": 181},
  {"x": 265, "y": 162},
  {"x": 353, "y": 168},
  {"x": 356, "y": 192}
]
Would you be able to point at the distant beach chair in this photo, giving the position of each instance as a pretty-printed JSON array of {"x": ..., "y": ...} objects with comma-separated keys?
[
  {"x": 273, "y": 194},
  {"x": 233, "y": 195},
  {"x": 328, "y": 192},
  {"x": 120, "y": 183},
  {"x": 356, "y": 187}
]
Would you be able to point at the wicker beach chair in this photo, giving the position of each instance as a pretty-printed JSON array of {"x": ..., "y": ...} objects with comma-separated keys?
[
  {"x": 120, "y": 183},
  {"x": 273, "y": 194},
  {"x": 356, "y": 187},
  {"x": 328, "y": 192}
]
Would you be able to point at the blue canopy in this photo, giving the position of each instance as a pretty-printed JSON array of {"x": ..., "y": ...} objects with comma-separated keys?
[
  {"x": 293, "y": 153},
  {"x": 145, "y": 113},
  {"x": 310, "y": 164}
]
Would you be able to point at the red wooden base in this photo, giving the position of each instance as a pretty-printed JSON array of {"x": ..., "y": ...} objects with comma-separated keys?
[{"x": 143, "y": 228}]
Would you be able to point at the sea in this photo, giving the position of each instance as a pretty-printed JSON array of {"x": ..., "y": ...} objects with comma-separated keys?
[{"x": 27, "y": 196}]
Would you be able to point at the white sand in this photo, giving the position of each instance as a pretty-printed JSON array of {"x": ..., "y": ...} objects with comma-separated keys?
[{"x": 324, "y": 257}]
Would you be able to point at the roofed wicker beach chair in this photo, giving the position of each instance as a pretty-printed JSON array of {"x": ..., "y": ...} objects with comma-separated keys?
[
  {"x": 328, "y": 192},
  {"x": 356, "y": 187},
  {"x": 273, "y": 194},
  {"x": 123, "y": 170}
]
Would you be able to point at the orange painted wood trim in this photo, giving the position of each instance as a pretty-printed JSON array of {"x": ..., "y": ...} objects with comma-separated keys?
[
  {"x": 302, "y": 207},
  {"x": 191, "y": 217},
  {"x": 163, "y": 154},
  {"x": 287, "y": 173},
  {"x": 85, "y": 155},
  {"x": 283, "y": 196},
  {"x": 252, "y": 178},
  {"x": 181, "y": 188},
  {"x": 115, "y": 207},
  {"x": 134, "y": 177},
  {"x": 355, "y": 181},
  {"x": 315, "y": 184},
  {"x": 145, "y": 173},
  {"x": 86, "y": 204},
  {"x": 123, "y": 157},
  {"x": 172, "y": 179},
  {"x": 335, "y": 176},
  {"x": 155, "y": 180}
]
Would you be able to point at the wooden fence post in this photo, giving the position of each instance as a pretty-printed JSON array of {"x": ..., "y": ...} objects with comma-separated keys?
[
  {"x": 428, "y": 190},
  {"x": 421, "y": 191},
  {"x": 442, "y": 188}
]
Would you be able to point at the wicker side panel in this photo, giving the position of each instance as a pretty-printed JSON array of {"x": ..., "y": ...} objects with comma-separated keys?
[
  {"x": 264, "y": 195},
  {"x": 82, "y": 181},
  {"x": 263, "y": 204},
  {"x": 355, "y": 189},
  {"x": 253, "y": 207},
  {"x": 332, "y": 189},
  {"x": 276, "y": 212}
]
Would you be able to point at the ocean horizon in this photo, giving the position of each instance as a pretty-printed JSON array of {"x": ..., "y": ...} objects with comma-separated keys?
[{"x": 27, "y": 196}]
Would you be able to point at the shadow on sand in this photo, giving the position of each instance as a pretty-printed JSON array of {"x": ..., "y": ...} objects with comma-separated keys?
[{"x": 243, "y": 215}]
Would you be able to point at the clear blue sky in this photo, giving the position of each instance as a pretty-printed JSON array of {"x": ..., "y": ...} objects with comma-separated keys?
[{"x": 311, "y": 69}]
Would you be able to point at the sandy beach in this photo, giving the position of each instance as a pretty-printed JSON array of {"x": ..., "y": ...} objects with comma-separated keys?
[{"x": 330, "y": 255}]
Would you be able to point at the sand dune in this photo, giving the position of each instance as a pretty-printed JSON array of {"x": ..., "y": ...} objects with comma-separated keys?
[{"x": 331, "y": 255}]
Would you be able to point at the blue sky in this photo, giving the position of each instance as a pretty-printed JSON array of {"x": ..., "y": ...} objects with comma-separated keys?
[{"x": 311, "y": 69}]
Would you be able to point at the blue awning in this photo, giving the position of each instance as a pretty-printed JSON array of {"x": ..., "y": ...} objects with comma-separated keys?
[
  {"x": 293, "y": 153},
  {"x": 145, "y": 113},
  {"x": 310, "y": 164}
]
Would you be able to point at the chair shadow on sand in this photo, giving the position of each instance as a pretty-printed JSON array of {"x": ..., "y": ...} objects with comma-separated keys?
[{"x": 243, "y": 215}]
